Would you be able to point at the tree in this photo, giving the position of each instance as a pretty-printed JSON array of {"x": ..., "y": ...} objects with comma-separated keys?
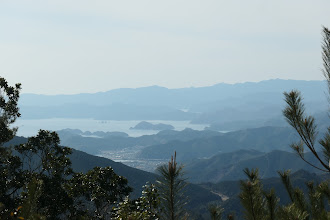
[
  {"x": 215, "y": 211},
  {"x": 42, "y": 158},
  {"x": 102, "y": 187},
  {"x": 29, "y": 208},
  {"x": 305, "y": 125},
  {"x": 11, "y": 178},
  {"x": 251, "y": 196},
  {"x": 302, "y": 206},
  {"x": 261, "y": 205},
  {"x": 171, "y": 190},
  {"x": 145, "y": 207},
  {"x": 36, "y": 179},
  {"x": 9, "y": 110},
  {"x": 307, "y": 130}
]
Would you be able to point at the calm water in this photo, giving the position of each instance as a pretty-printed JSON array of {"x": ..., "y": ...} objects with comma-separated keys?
[{"x": 31, "y": 127}]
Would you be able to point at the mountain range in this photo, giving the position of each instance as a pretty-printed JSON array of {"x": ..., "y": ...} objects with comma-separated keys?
[
  {"x": 263, "y": 139},
  {"x": 229, "y": 166},
  {"x": 224, "y": 106}
]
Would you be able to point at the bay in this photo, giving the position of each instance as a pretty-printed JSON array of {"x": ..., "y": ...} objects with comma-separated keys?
[{"x": 30, "y": 127}]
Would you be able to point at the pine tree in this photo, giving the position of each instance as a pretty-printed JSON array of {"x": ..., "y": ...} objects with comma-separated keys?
[
  {"x": 304, "y": 124},
  {"x": 145, "y": 207},
  {"x": 171, "y": 190},
  {"x": 215, "y": 212},
  {"x": 251, "y": 196},
  {"x": 306, "y": 128},
  {"x": 260, "y": 205}
]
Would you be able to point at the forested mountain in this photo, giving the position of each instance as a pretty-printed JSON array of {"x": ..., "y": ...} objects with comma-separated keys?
[
  {"x": 225, "y": 154},
  {"x": 220, "y": 167},
  {"x": 116, "y": 141},
  {"x": 82, "y": 162},
  {"x": 263, "y": 139},
  {"x": 229, "y": 166},
  {"x": 189, "y": 144}
]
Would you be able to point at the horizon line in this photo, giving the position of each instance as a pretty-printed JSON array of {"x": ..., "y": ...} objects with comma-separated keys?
[{"x": 191, "y": 87}]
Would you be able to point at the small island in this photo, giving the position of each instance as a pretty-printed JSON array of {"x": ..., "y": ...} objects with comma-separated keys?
[
  {"x": 100, "y": 134},
  {"x": 143, "y": 125}
]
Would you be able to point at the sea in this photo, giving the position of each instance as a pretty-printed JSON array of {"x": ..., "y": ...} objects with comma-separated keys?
[{"x": 30, "y": 127}]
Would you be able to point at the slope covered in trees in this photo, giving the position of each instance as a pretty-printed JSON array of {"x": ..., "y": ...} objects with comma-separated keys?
[
  {"x": 229, "y": 166},
  {"x": 262, "y": 139}
]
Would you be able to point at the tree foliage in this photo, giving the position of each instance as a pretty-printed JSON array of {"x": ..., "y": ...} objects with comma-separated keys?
[
  {"x": 259, "y": 204},
  {"x": 304, "y": 124},
  {"x": 101, "y": 187},
  {"x": 9, "y": 110},
  {"x": 215, "y": 211},
  {"x": 314, "y": 207},
  {"x": 145, "y": 207},
  {"x": 251, "y": 196},
  {"x": 11, "y": 177},
  {"x": 171, "y": 190},
  {"x": 36, "y": 178},
  {"x": 303, "y": 207}
]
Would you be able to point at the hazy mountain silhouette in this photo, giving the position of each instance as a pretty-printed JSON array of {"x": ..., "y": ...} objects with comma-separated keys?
[
  {"x": 229, "y": 166},
  {"x": 245, "y": 104}
]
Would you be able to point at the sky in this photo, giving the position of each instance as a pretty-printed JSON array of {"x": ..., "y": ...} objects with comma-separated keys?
[{"x": 80, "y": 46}]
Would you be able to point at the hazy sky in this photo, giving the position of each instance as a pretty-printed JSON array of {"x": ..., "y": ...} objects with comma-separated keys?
[{"x": 56, "y": 47}]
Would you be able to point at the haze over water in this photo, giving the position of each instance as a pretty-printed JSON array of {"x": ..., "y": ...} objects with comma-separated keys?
[{"x": 30, "y": 127}]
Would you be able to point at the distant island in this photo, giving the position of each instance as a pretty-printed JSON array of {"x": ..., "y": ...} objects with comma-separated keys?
[
  {"x": 100, "y": 134},
  {"x": 143, "y": 125}
]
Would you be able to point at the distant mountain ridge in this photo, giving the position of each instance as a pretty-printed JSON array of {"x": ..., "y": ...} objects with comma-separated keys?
[
  {"x": 222, "y": 103},
  {"x": 164, "y": 96},
  {"x": 229, "y": 166},
  {"x": 263, "y": 139},
  {"x": 93, "y": 145},
  {"x": 189, "y": 144}
]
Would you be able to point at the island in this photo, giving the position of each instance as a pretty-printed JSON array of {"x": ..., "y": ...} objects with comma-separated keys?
[
  {"x": 143, "y": 125},
  {"x": 101, "y": 134}
]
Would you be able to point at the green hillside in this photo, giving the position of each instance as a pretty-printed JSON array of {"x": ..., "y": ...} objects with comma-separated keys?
[
  {"x": 82, "y": 162},
  {"x": 94, "y": 145},
  {"x": 229, "y": 166},
  {"x": 263, "y": 139}
]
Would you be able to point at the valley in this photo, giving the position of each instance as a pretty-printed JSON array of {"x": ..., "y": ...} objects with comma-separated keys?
[
  {"x": 165, "y": 110},
  {"x": 214, "y": 146}
]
